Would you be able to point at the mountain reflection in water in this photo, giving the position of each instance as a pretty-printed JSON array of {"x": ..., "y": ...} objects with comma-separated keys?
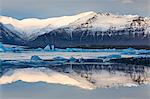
[{"x": 83, "y": 75}]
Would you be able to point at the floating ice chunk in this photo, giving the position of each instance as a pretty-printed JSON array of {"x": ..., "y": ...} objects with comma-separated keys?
[
  {"x": 72, "y": 59},
  {"x": 142, "y": 51},
  {"x": 2, "y": 48},
  {"x": 53, "y": 47},
  {"x": 129, "y": 51},
  {"x": 39, "y": 49},
  {"x": 78, "y": 50},
  {"x": 60, "y": 50},
  {"x": 47, "y": 48},
  {"x": 111, "y": 56},
  {"x": 69, "y": 50},
  {"x": 35, "y": 58},
  {"x": 114, "y": 56}
]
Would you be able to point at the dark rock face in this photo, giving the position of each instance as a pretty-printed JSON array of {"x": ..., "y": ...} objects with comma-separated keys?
[
  {"x": 86, "y": 38},
  {"x": 8, "y": 37}
]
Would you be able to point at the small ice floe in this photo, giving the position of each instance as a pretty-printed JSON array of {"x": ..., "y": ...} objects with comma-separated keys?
[
  {"x": 52, "y": 47},
  {"x": 69, "y": 50},
  {"x": 35, "y": 58},
  {"x": 114, "y": 56},
  {"x": 129, "y": 51},
  {"x": 2, "y": 48},
  {"x": 39, "y": 49},
  {"x": 72, "y": 59},
  {"x": 47, "y": 48},
  {"x": 142, "y": 51}
]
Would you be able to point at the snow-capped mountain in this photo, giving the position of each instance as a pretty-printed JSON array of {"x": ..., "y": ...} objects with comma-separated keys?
[
  {"x": 82, "y": 30},
  {"x": 34, "y": 27}
]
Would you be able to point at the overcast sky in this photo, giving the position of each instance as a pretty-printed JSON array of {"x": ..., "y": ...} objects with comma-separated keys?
[{"x": 51, "y": 8}]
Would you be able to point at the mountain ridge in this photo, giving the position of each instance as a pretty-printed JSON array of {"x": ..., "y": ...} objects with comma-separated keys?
[{"x": 82, "y": 29}]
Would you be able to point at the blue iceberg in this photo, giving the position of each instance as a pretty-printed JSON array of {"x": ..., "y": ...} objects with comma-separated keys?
[
  {"x": 35, "y": 58},
  {"x": 111, "y": 56},
  {"x": 2, "y": 48},
  {"x": 72, "y": 59}
]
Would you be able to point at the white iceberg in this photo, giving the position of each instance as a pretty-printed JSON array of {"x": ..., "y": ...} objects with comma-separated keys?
[
  {"x": 53, "y": 47},
  {"x": 47, "y": 48}
]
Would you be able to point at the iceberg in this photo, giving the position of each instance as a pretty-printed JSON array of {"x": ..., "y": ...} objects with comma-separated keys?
[
  {"x": 60, "y": 50},
  {"x": 129, "y": 51},
  {"x": 142, "y": 51},
  {"x": 69, "y": 50},
  {"x": 39, "y": 49},
  {"x": 35, "y": 58},
  {"x": 53, "y": 47},
  {"x": 114, "y": 56},
  {"x": 111, "y": 56},
  {"x": 72, "y": 59},
  {"x": 47, "y": 48},
  {"x": 2, "y": 48}
]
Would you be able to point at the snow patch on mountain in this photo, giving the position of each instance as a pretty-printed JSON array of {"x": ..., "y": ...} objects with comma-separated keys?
[{"x": 104, "y": 22}]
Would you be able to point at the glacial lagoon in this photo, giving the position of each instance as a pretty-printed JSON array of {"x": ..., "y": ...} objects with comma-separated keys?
[{"x": 75, "y": 74}]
